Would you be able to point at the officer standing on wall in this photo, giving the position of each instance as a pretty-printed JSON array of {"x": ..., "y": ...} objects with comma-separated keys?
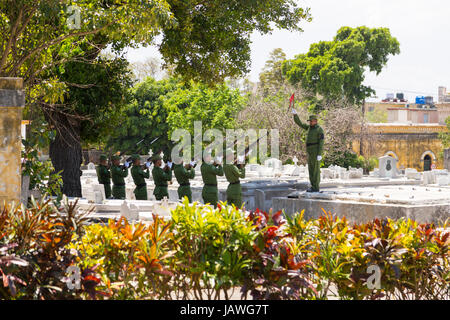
[
  {"x": 233, "y": 173},
  {"x": 139, "y": 176},
  {"x": 161, "y": 177},
  {"x": 118, "y": 173},
  {"x": 314, "y": 148},
  {"x": 104, "y": 176},
  {"x": 210, "y": 171},
  {"x": 183, "y": 174}
]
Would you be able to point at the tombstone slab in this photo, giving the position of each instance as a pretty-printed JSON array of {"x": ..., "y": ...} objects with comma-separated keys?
[{"x": 387, "y": 167}]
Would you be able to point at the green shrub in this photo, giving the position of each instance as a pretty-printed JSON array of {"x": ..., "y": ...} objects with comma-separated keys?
[
  {"x": 213, "y": 248},
  {"x": 128, "y": 258},
  {"x": 37, "y": 238},
  {"x": 205, "y": 253}
]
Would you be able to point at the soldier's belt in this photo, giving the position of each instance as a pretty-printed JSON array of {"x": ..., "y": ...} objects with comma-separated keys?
[
  {"x": 184, "y": 184},
  {"x": 161, "y": 185},
  {"x": 237, "y": 182},
  {"x": 119, "y": 184},
  {"x": 211, "y": 185},
  {"x": 105, "y": 182},
  {"x": 141, "y": 185},
  {"x": 311, "y": 144}
]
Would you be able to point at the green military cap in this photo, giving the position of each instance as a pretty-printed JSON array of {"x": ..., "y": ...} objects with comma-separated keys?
[
  {"x": 156, "y": 157},
  {"x": 115, "y": 158},
  {"x": 134, "y": 157},
  {"x": 312, "y": 117},
  {"x": 103, "y": 157}
]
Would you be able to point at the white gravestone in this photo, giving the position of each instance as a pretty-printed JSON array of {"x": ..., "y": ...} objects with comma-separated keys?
[
  {"x": 387, "y": 167},
  {"x": 131, "y": 213},
  {"x": 274, "y": 163}
]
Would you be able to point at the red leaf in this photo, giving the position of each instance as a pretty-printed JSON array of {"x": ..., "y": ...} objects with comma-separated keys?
[{"x": 91, "y": 278}]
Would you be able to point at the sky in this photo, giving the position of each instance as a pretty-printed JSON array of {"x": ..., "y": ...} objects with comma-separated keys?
[{"x": 421, "y": 26}]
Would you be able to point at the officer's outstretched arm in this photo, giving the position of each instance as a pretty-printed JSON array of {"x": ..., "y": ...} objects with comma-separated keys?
[{"x": 299, "y": 122}]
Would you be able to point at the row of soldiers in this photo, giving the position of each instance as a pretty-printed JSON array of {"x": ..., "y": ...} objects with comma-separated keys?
[
  {"x": 209, "y": 170},
  {"x": 162, "y": 176}
]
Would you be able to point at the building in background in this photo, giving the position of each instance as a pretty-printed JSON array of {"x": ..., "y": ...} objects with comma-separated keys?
[
  {"x": 443, "y": 95},
  {"x": 413, "y": 145},
  {"x": 413, "y": 114},
  {"x": 443, "y": 112}
]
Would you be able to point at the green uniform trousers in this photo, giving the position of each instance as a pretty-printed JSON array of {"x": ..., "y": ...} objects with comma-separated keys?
[
  {"x": 141, "y": 193},
  {"x": 118, "y": 192},
  {"x": 107, "y": 187},
  {"x": 314, "y": 169},
  {"x": 160, "y": 192},
  {"x": 185, "y": 191},
  {"x": 234, "y": 194},
  {"x": 210, "y": 195}
]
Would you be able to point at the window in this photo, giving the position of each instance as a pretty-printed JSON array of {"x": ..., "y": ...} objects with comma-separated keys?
[{"x": 425, "y": 118}]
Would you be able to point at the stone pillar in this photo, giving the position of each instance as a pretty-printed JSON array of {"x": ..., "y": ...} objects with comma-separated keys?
[{"x": 12, "y": 100}]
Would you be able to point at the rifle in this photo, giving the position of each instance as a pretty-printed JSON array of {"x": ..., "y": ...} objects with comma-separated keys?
[
  {"x": 139, "y": 142},
  {"x": 246, "y": 152}
]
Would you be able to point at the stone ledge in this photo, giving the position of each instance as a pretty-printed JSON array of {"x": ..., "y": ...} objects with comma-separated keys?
[{"x": 362, "y": 212}]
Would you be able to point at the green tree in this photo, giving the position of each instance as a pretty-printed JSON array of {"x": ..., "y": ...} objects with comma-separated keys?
[
  {"x": 216, "y": 107},
  {"x": 208, "y": 41},
  {"x": 445, "y": 136},
  {"x": 97, "y": 91},
  {"x": 144, "y": 118},
  {"x": 211, "y": 40},
  {"x": 160, "y": 107},
  {"x": 271, "y": 78},
  {"x": 33, "y": 30},
  {"x": 335, "y": 69}
]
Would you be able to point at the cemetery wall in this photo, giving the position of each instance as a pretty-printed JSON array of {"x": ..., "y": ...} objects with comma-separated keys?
[{"x": 407, "y": 143}]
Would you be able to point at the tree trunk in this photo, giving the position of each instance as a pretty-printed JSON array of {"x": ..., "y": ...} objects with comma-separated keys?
[
  {"x": 65, "y": 153},
  {"x": 361, "y": 136}
]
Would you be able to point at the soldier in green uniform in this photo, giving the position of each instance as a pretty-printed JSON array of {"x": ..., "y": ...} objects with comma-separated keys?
[
  {"x": 161, "y": 177},
  {"x": 233, "y": 173},
  {"x": 314, "y": 148},
  {"x": 210, "y": 171},
  {"x": 183, "y": 174},
  {"x": 139, "y": 177},
  {"x": 118, "y": 173},
  {"x": 104, "y": 176}
]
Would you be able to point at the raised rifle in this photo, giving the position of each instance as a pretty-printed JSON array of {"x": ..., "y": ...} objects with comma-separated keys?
[{"x": 246, "y": 152}]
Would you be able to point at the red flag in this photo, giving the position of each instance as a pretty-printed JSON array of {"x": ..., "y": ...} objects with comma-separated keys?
[{"x": 291, "y": 101}]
